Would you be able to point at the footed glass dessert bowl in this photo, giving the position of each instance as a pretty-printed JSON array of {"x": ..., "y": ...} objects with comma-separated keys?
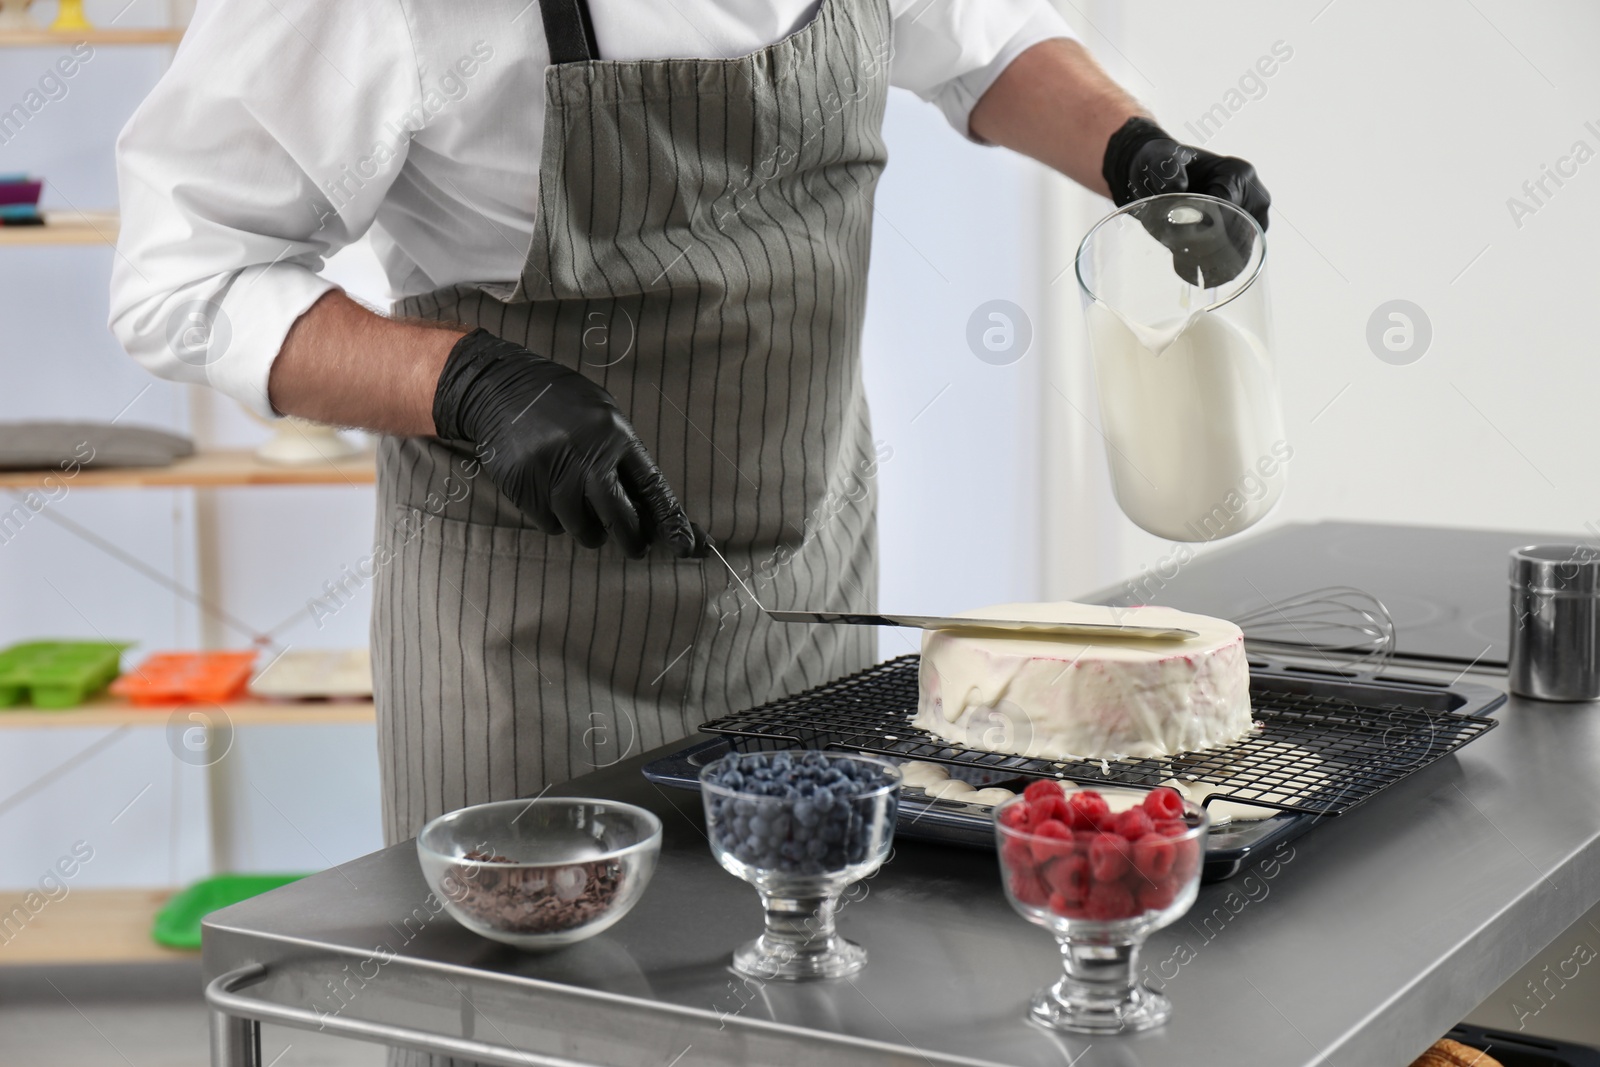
[
  {"x": 1101, "y": 870},
  {"x": 801, "y": 827}
]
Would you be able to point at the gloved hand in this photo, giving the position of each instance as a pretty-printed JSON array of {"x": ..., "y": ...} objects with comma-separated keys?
[
  {"x": 559, "y": 447},
  {"x": 1142, "y": 160}
]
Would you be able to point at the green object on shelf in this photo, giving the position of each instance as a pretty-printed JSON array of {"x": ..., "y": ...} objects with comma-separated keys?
[
  {"x": 177, "y": 924},
  {"x": 57, "y": 674}
]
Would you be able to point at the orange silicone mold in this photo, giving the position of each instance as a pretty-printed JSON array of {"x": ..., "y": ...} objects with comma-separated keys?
[{"x": 186, "y": 677}]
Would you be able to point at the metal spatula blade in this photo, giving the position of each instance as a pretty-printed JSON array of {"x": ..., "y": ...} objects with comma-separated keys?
[
  {"x": 953, "y": 622},
  {"x": 956, "y": 622}
]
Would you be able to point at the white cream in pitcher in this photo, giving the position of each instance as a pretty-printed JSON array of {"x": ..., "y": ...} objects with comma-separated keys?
[{"x": 1190, "y": 412}]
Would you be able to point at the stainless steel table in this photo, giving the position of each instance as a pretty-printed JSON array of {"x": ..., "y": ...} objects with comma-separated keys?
[{"x": 1361, "y": 944}]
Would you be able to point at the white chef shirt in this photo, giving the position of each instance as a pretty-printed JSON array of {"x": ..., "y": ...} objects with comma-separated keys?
[{"x": 286, "y": 129}]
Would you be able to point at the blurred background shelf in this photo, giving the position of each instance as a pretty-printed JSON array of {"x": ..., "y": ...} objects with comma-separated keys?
[
  {"x": 292, "y": 798},
  {"x": 245, "y": 711},
  {"x": 133, "y": 36},
  {"x": 87, "y": 926},
  {"x": 65, "y": 228},
  {"x": 204, "y": 470}
]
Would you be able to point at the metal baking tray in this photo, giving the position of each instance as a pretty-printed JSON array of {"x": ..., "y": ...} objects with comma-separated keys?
[{"x": 1367, "y": 730}]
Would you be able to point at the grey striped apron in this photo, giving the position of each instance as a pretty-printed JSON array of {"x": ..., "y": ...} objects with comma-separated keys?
[{"x": 701, "y": 252}]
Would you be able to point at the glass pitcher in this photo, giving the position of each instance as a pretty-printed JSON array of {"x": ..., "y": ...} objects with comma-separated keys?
[{"x": 1175, "y": 300}]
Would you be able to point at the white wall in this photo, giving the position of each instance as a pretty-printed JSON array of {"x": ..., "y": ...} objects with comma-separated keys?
[
  {"x": 959, "y": 503},
  {"x": 1391, "y": 141}
]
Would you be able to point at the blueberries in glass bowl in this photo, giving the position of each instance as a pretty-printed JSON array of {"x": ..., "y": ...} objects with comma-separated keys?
[
  {"x": 799, "y": 813},
  {"x": 800, "y": 826}
]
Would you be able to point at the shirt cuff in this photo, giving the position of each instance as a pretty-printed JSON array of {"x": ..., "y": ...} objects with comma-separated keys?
[
  {"x": 224, "y": 332},
  {"x": 957, "y": 97},
  {"x": 261, "y": 306}
]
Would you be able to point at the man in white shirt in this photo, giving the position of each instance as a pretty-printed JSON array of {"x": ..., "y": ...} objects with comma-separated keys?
[{"x": 630, "y": 244}]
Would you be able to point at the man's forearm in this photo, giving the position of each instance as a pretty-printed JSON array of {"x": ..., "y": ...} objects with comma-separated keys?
[
  {"x": 344, "y": 365},
  {"x": 1055, "y": 104}
]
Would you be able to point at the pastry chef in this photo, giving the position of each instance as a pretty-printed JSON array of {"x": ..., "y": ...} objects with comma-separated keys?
[{"x": 629, "y": 243}]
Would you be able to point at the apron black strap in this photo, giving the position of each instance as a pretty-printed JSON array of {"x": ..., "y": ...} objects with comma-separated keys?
[{"x": 569, "y": 31}]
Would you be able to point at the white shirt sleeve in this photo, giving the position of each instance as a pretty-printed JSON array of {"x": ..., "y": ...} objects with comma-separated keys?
[
  {"x": 950, "y": 51},
  {"x": 267, "y": 146}
]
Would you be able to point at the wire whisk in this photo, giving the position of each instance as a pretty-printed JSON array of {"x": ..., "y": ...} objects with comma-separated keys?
[{"x": 1341, "y": 624}]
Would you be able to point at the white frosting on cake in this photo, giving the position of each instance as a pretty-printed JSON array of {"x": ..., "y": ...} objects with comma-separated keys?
[{"x": 1053, "y": 698}]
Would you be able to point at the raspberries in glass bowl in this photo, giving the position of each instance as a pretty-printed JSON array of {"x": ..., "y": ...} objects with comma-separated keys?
[{"x": 1099, "y": 856}]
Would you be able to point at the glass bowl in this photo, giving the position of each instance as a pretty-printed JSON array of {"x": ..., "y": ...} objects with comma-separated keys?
[
  {"x": 801, "y": 827},
  {"x": 1101, "y": 884},
  {"x": 540, "y": 873}
]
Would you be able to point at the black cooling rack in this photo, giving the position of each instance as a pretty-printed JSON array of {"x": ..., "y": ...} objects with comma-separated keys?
[{"x": 1365, "y": 733}]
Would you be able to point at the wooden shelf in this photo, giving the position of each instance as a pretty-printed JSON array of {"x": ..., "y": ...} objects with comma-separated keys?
[
  {"x": 43, "y": 37},
  {"x": 202, "y": 470},
  {"x": 86, "y": 926},
  {"x": 247, "y": 711},
  {"x": 65, "y": 228}
]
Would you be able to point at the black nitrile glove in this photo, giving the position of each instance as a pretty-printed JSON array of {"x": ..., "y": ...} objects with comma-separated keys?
[
  {"x": 559, "y": 447},
  {"x": 1143, "y": 160}
]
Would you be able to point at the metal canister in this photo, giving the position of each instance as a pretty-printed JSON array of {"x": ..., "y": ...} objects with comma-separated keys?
[{"x": 1555, "y": 622}]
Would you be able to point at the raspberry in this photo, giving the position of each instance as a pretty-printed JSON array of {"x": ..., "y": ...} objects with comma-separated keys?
[
  {"x": 1133, "y": 824},
  {"x": 1110, "y": 900},
  {"x": 1186, "y": 860},
  {"x": 1153, "y": 856},
  {"x": 1016, "y": 854},
  {"x": 1164, "y": 803},
  {"x": 1040, "y": 788},
  {"x": 1171, "y": 827},
  {"x": 1068, "y": 877},
  {"x": 1051, "y": 839},
  {"x": 1158, "y": 897},
  {"x": 1108, "y": 857},
  {"x": 1066, "y": 907},
  {"x": 1027, "y": 888},
  {"x": 1087, "y": 810},
  {"x": 1016, "y": 816},
  {"x": 1050, "y": 807}
]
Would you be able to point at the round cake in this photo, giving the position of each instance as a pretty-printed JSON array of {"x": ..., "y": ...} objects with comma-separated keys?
[{"x": 1055, "y": 698}]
